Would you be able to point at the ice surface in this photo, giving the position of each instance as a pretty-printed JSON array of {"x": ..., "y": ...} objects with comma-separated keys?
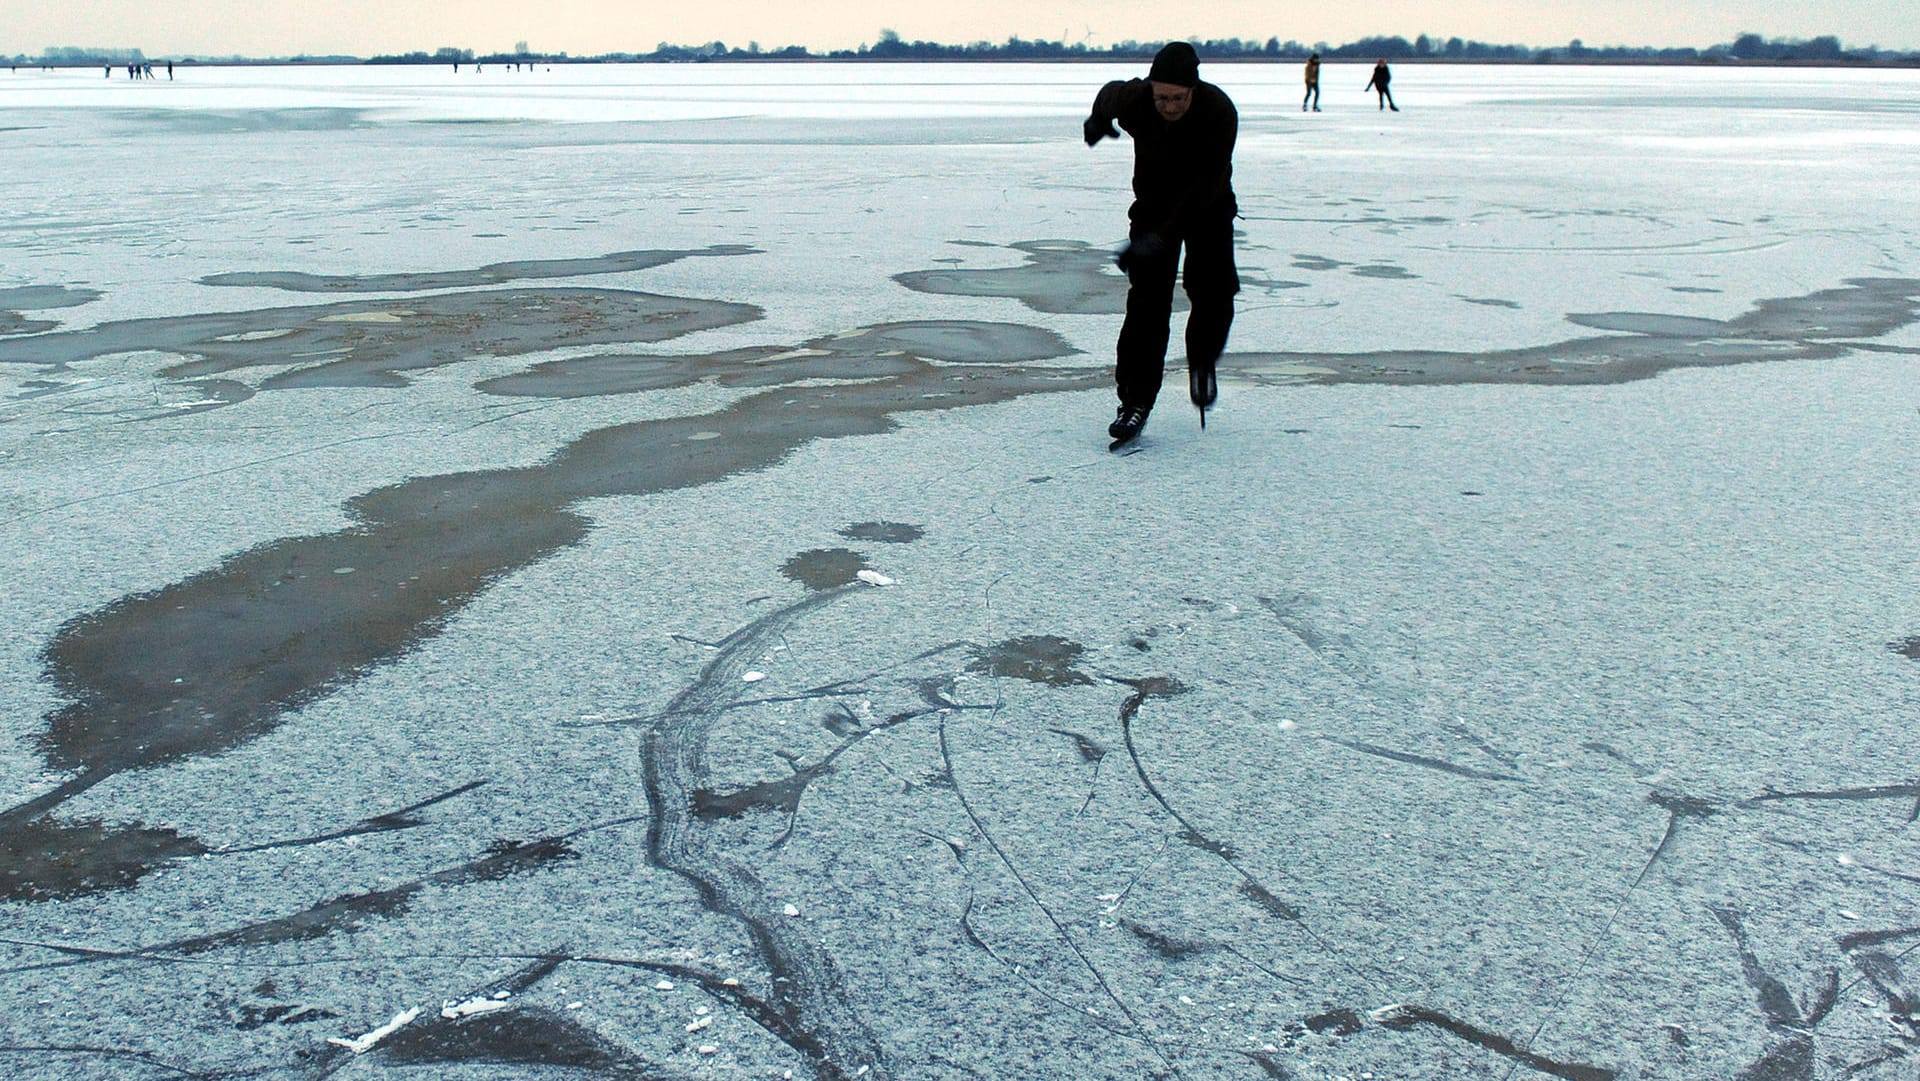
[{"x": 437, "y": 512}]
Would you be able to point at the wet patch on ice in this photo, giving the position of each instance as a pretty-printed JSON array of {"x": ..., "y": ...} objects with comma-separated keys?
[
  {"x": 1384, "y": 270},
  {"x": 370, "y": 343},
  {"x": 876, "y": 352},
  {"x": 43, "y": 860},
  {"x": 1067, "y": 277},
  {"x": 1490, "y": 302},
  {"x": 351, "y": 912},
  {"x": 1817, "y": 326},
  {"x": 1037, "y": 658},
  {"x": 1317, "y": 262},
  {"x": 884, "y": 532},
  {"x": 219, "y": 659},
  {"x": 825, "y": 568},
  {"x": 619, "y": 262},
  {"x": 15, "y": 323},
  {"x": 589, "y": 377},
  {"x": 42, "y": 297},
  {"x": 1907, "y": 647},
  {"x": 24, "y": 298},
  {"x": 955, "y": 341},
  {"x": 249, "y": 1016},
  {"x": 513, "y": 1036},
  {"x": 1166, "y": 944},
  {"x": 244, "y": 121}
]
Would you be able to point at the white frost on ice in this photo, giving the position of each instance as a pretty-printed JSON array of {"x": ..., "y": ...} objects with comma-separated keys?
[
  {"x": 453, "y": 1011},
  {"x": 874, "y": 578},
  {"x": 366, "y": 317},
  {"x": 363, "y": 1044},
  {"x": 753, "y": 677}
]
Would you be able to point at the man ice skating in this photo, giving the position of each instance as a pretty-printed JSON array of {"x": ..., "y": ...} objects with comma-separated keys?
[
  {"x": 1183, "y": 132},
  {"x": 1381, "y": 77},
  {"x": 1313, "y": 84}
]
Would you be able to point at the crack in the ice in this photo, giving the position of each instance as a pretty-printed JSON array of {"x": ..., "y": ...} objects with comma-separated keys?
[
  {"x": 818, "y": 1016},
  {"x": 1406, "y": 1016},
  {"x": 1059, "y": 927}
]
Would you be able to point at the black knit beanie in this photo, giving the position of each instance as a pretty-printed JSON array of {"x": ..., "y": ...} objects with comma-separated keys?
[{"x": 1176, "y": 63}]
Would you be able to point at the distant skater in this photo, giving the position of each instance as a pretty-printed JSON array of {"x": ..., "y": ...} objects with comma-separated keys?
[
  {"x": 1313, "y": 84},
  {"x": 1183, "y": 134},
  {"x": 169, "y": 71},
  {"x": 1381, "y": 77}
]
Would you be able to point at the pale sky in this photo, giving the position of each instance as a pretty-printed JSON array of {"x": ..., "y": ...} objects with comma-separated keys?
[{"x": 266, "y": 28}]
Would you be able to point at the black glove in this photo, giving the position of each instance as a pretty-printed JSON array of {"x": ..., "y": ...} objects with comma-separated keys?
[
  {"x": 1141, "y": 249},
  {"x": 1096, "y": 129}
]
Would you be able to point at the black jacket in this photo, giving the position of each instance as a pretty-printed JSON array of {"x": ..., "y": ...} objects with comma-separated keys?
[{"x": 1183, "y": 171}]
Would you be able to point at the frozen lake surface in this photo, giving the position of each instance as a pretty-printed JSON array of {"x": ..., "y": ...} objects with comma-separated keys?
[{"x": 616, "y": 571}]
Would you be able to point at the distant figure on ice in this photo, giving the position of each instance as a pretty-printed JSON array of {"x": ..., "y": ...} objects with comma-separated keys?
[
  {"x": 1183, "y": 134},
  {"x": 1313, "y": 84},
  {"x": 1381, "y": 77}
]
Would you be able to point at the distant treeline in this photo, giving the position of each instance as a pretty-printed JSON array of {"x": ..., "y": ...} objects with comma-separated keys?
[{"x": 1747, "y": 48}]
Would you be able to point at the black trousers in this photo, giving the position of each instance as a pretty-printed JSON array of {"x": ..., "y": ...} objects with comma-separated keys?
[{"x": 1211, "y": 280}]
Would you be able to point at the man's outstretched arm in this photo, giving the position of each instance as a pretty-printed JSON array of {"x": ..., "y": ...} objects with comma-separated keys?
[{"x": 1107, "y": 105}]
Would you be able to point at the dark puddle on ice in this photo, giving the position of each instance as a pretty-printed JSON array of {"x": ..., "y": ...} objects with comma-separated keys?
[
  {"x": 492, "y": 274},
  {"x": 1818, "y": 326},
  {"x": 216, "y": 660},
  {"x": 369, "y": 343},
  {"x": 351, "y": 912},
  {"x": 1316, "y": 262},
  {"x": 41, "y": 297},
  {"x": 25, "y": 298},
  {"x": 884, "y": 532},
  {"x": 43, "y": 860},
  {"x": 504, "y": 1033},
  {"x": 782, "y": 796},
  {"x": 15, "y": 323},
  {"x": 244, "y": 121},
  {"x": 825, "y": 568},
  {"x": 512, "y": 1037},
  {"x": 877, "y": 352},
  {"x": 1067, "y": 277},
  {"x": 1168, "y": 946},
  {"x": 1041, "y": 658},
  {"x": 1908, "y": 648}
]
